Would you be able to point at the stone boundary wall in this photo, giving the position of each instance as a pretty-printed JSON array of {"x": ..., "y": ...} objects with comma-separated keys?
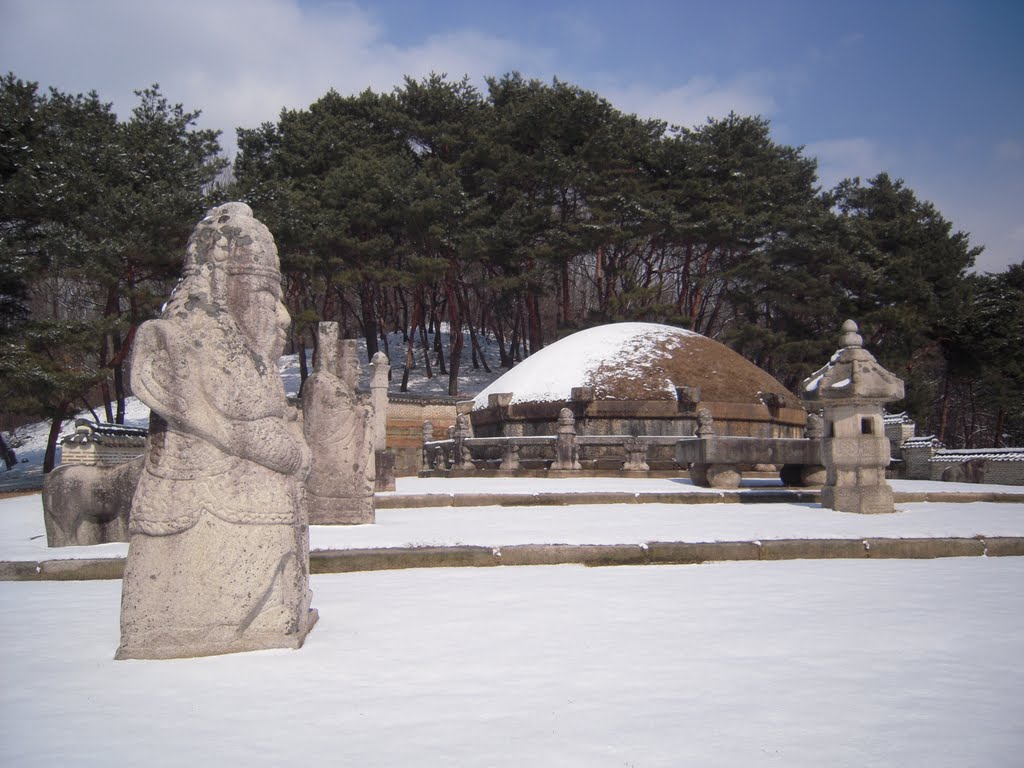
[
  {"x": 995, "y": 466},
  {"x": 406, "y": 414},
  {"x": 96, "y": 454},
  {"x": 594, "y": 555},
  {"x": 98, "y": 444},
  {"x": 899, "y": 428},
  {"x": 924, "y": 457}
]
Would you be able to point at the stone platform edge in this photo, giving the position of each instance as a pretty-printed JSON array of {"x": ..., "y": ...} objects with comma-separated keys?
[
  {"x": 650, "y": 553},
  {"x": 743, "y": 496}
]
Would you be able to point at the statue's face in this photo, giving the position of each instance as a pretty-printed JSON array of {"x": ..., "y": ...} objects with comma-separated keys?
[
  {"x": 255, "y": 303},
  {"x": 350, "y": 370}
]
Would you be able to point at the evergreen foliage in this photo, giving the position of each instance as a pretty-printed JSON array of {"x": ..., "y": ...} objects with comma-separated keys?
[
  {"x": 524, "y": 211},
  {"x": 94, "y": 213}
]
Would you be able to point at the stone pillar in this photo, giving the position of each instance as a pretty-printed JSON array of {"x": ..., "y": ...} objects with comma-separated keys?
[
  {"x": 384, "y": 460},
  {"x": 705, "y": 423},
  {"x": 814, "y": 474},
  {"x": 428, "y": 436},
  {"x": 440, "y": 465},
  {"x": 465, "y": 408},
  {"x": 851, "y": 391},
  {"x": 636, "y": 455},
  {"x": 379, "y": 369},
  {"x": 510, "y": 456},
  {"x": 462, "y": 457},
  {"x": 566, "y": 450},
  {"x": 705, "y": 430}
]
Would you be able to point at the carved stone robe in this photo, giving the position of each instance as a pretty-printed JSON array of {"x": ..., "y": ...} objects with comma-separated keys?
[{"x": 218, "y": 552}]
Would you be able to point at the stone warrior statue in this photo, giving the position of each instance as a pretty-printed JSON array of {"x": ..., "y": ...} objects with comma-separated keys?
[
  {"x": 339, "y": 428},
  {"x": 218, "y": 556}
]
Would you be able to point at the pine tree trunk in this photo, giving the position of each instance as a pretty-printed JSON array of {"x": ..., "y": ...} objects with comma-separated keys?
[
  {"x": 423, "y": 336},
  {"x": 943, "y": 410},
  {"x": 303, "y": 365},
  {"x": 410, "y": 352},
  {"x": 455, "y": 342},
  {"x": 369, "y": 319},
  {"x": 533, "y": 315},
  {"x": 567, "y": 313},
  {"x": 513, "y": 345},
  {"x": 105, "y": 384},
  {"x": 504, "y": 356},
  {"x": 50, "y": 457},
  {"x": 119, "y": 392},
  {"x": 123, "y": 348},
  {"x": 442, "y": 370},
  {"x": 406, "y": 330},
  {"x": 106, "y": 347},
  {"x": 478, "y": 354}
]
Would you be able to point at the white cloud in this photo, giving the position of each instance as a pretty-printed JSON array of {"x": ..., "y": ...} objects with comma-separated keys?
[
  {"x": 1009, "y": 151},
  {"x": 691, "y": 103},
  {"x": 840, "y": 159},
  {"x": 239, "y": 61}
]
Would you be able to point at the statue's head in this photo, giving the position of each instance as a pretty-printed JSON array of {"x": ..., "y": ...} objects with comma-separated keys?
[
  {"x": 232, "y": 256},
  {"x": 349, "y": 368}
]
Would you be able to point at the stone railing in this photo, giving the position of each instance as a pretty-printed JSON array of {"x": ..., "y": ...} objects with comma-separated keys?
[
  {"x": 713, "y": 461},
  {"x": 562, "y": 452}
]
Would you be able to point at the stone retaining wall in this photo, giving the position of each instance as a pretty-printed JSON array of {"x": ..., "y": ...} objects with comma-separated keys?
[
  {"x": 406, "y": 414},
  {"x": 650, "y": 553}
]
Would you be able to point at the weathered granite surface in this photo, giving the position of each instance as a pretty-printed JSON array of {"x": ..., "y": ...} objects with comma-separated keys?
[
  {"x": 88, "y": 504},
  {"x": 851, "y": 390},
  {"x": 218, "y": 552},
  {"x": 339, "y": 428}
]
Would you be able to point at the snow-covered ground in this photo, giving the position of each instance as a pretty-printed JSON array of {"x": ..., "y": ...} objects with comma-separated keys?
[
  {"x": 23, "y": 536},
  {"x": 796, "y": 663}
]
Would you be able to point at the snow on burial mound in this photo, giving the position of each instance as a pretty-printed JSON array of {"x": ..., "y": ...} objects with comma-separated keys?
[{"x": 636, "y": 361}]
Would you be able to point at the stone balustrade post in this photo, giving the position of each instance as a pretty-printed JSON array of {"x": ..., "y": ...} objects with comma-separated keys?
[
  {"x": 636, "y": 455},
  {"x": 462, "y": 457},
  {"x": 566, "y": 448},
  {"x": 440, "y": 464},
  {"x": 428, "y": 436},
  {"x": 510, "y": 455},
  {"x": 705, "y": 423}
]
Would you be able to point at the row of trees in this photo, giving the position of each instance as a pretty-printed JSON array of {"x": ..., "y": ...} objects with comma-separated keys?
[
  {"x": 523, "y": 213},
  {"x": 94, "y": 213},
  {"x": 534, "y": 209}
]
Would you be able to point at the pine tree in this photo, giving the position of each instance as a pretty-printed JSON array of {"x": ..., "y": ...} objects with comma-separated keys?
[{"x": 95, "y": 215}]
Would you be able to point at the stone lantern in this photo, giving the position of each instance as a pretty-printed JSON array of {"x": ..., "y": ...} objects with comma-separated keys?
[{"x": 851, "y": 390}]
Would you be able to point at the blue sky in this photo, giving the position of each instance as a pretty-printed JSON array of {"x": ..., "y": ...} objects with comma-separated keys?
[{"x": 932, "y": 92}]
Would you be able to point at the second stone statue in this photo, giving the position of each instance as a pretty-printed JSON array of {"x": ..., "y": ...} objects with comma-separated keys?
[{"x": 339, "y": 428}]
